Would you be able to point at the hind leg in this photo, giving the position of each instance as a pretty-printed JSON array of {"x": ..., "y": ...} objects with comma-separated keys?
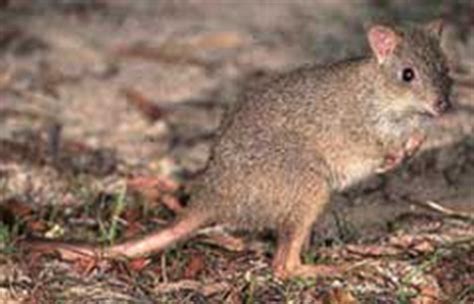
[
  {"x": 291, "y": 239},
  {"x": 287, "y": 260}
]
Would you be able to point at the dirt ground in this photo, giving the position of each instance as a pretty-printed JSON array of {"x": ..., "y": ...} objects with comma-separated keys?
[{"x": 108, "y": 107}]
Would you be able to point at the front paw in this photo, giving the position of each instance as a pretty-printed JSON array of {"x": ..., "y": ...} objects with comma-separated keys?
[
  {"x": 413, "y": 144},
  {"x": 391, "y": 161}
]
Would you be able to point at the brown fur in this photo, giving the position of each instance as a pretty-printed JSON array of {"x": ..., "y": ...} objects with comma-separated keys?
[{"x": 290, "y": 143}]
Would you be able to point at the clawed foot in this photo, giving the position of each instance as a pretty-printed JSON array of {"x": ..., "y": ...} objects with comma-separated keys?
[
  {"x": 413, "y": 144},
  {"x": 393, "y": 160}
]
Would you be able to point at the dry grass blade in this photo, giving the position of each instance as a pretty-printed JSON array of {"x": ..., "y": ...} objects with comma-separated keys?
[
  {"x": 205, "y": 289},
  {"x": 433, "y": 206}
]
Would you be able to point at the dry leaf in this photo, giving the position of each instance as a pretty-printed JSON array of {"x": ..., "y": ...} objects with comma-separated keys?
[
  {"x": 340, "y": 296},
  {"x": 195, "y": 265},
  {"x": 139, "y": 264}
]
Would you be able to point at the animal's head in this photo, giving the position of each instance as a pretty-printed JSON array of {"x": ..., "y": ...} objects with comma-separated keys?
[{"x": 414, "y": 68}]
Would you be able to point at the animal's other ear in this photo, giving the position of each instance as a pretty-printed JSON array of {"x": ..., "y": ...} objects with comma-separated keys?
[
  {"x": 434, "y": 27},
  {"x": 383, "y": 40}
]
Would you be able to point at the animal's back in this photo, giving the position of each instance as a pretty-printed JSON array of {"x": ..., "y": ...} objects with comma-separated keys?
[{"x": 270, "y": 151}]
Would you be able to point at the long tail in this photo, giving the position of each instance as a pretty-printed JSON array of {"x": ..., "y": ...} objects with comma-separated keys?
[{"x": 182, "y": 228}]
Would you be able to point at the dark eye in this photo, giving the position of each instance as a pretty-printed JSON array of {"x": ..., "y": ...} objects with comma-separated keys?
[{"x": 408, "y": 74}]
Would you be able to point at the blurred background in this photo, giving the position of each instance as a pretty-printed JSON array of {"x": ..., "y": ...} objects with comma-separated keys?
[{"x": 108, "y": 107}]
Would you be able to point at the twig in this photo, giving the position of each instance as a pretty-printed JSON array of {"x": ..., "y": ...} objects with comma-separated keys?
[
  {"x": 146, "y": 106},
  {"x": 205, "y": 289},
  {"x": 443, "y": 210},
  {"x": 437, "y": 207},
  {"x": 164, "y": 272}
]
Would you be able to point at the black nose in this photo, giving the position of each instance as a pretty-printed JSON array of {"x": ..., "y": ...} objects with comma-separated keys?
[{"x": 442, "y": 105}]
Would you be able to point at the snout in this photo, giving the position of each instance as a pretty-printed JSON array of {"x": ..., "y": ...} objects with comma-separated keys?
[{"x": 440, "y": 106}]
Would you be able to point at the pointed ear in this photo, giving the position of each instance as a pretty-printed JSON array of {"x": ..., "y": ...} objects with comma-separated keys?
[
  {"x": 383, "y": 40},
  {"x": 434, "y": 27}
]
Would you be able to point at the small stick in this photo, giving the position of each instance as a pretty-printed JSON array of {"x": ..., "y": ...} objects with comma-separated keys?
[
  {"x": 449, "y": 212},
  {"x": 205, "y": 289},
  {"x": 163, "y": 269},
  {"x": 443, "y": 210}
]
